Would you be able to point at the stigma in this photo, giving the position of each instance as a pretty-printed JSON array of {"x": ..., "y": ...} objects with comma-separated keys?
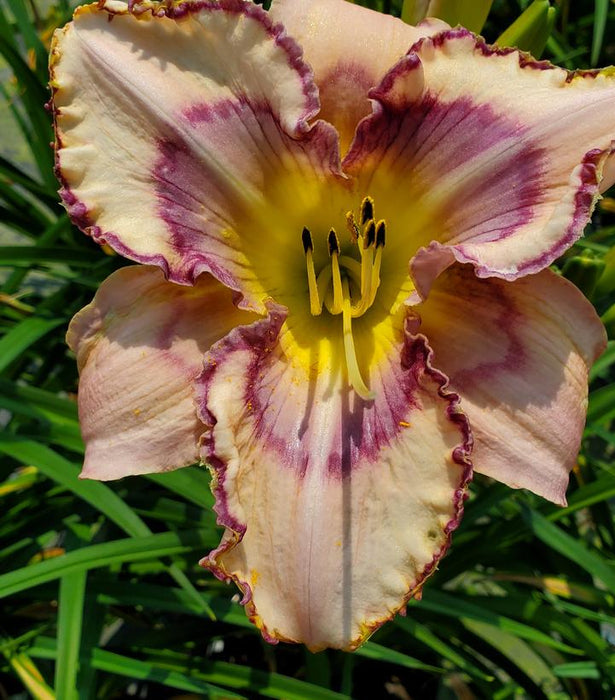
[{"x": 348, "y": 284}]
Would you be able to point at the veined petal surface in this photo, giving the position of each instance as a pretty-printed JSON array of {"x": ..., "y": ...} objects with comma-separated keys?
[
  {"x": 350, "y": 48},
  {"x": 336, "y": 509},
  {"x": 492, "y": 156},
  {"x": 139, "y": 346},
  {"x": 175, "y": 124},
  {"x": 518, "y": 353}
]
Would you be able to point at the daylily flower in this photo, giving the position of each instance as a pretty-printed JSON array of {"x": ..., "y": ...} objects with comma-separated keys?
[{"x": 317, "y": 294}]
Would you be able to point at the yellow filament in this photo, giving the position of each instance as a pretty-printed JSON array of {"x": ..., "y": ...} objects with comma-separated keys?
[
  {"x": 354, "y": 373},
  {"x": 366, "y": 265},
  {"x": 315, "y": 303},
  {"x": 337, "y": 283},
  {"x": 375, "y": 276}
]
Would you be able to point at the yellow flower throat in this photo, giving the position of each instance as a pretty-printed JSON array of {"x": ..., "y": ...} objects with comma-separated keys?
[{"x": 347, "y": 286}]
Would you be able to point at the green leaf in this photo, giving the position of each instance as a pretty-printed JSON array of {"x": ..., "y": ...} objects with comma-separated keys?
[
  {"x": 33, "y": 95},
  {"x": 70, "y": 619},
  {"x": 577, "y": 669},
  {"x": 45, "y": 648},
  {"x": 459, "y": 607},
  {"x": 100, "y": 496},
  {"x": 422, "y": 634},
  {"x": 28, "y": 255},
  {"x": 374, "y": 651},
  {"x": 269, "y": 685},
  {"x": 169, "y": 599},
  {"x": 471, "y": 14},
  {"x": 106, "y": 554},
  {"x": 24, "y": 335},
  {"x": 518, "y": 653},
  {"x": 601, "y": 404},
  {"x": 191, "y": 483},
  {"x": 600, "y": 16},
  {"x": 28, "y": 32},
  {"x": 570, "y": 548},
  {"x": 604, "y": 362},
  {"x": 531, "y": 30},
  {"x": 66, "y": 473}
]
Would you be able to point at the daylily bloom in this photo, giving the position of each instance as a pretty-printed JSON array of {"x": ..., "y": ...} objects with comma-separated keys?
[{"x": 328, "y": 309}]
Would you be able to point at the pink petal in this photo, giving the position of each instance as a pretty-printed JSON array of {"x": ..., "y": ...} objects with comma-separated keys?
[
  {"x": 139, "y": 345},
  {"x": 518, "y": 354},
  {"x": 336, "y": 509},
  {"x": 350, "y": 48},
  {"x": 484, "y": 155}
]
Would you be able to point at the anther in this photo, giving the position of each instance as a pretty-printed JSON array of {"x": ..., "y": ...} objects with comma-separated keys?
[
  {"x": 367, "y": 210},
  {"x": 334, "y": 244},
  {"x": 370, "y": 234},
  {"x": 306, "y": 237},
  {"x": 381, "y": 231}
]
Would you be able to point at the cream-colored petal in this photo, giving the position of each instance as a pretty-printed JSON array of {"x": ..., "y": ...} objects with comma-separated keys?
[
  {"x": 139, "y": 346},
  {"x": 336, "y": 509},
  {"x": 172, "y": 126},
  {"x": 518, "y": 354},
  {"x": 488, "y": 155}
]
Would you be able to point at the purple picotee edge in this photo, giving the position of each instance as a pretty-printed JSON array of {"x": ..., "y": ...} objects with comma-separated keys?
[{"x": 259, "y": 338}]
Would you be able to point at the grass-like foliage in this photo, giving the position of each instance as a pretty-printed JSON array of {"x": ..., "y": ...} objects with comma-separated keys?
[{"x": 101, "y": 594}]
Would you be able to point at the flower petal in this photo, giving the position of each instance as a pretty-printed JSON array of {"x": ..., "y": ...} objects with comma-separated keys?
[
  {"x": 336, "y": 509},
  {"x": 174, "y": 123},
  {"x": 350, "y": 48},
  {"x": 518, "y": 354},
  {"x": 139, "y": 345},
  {"x": 492, "y": 155}
]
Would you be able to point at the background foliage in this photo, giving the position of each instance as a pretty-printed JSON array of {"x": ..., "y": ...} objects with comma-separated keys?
[{"x": 100, "y": 592}]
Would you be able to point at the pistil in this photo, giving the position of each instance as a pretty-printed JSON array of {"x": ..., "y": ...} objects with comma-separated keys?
[{"x": 352, "y": 366}]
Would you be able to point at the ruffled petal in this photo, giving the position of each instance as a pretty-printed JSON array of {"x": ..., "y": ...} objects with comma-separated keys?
[
  {"x": 140, "y": 345},
  {"x": 175, "y": 125},
  {"x": 518, "y": 354},
  {"x": 350, "y": 48},
  {"x": 336, "y": 509},
  {"x": 494, "y": 157}
]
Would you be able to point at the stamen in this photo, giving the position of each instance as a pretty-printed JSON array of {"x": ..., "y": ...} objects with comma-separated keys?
[
  {"x": 315, "y": 297},
  {"x": 381, "y": 230},
  {"x": 352, "y": 366},
  {"x": 334, "y": 244},
  {"x": 334, "y": 252},
  {"x": 367, "y": 259},
  {"x": 367, "y": 210}
]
